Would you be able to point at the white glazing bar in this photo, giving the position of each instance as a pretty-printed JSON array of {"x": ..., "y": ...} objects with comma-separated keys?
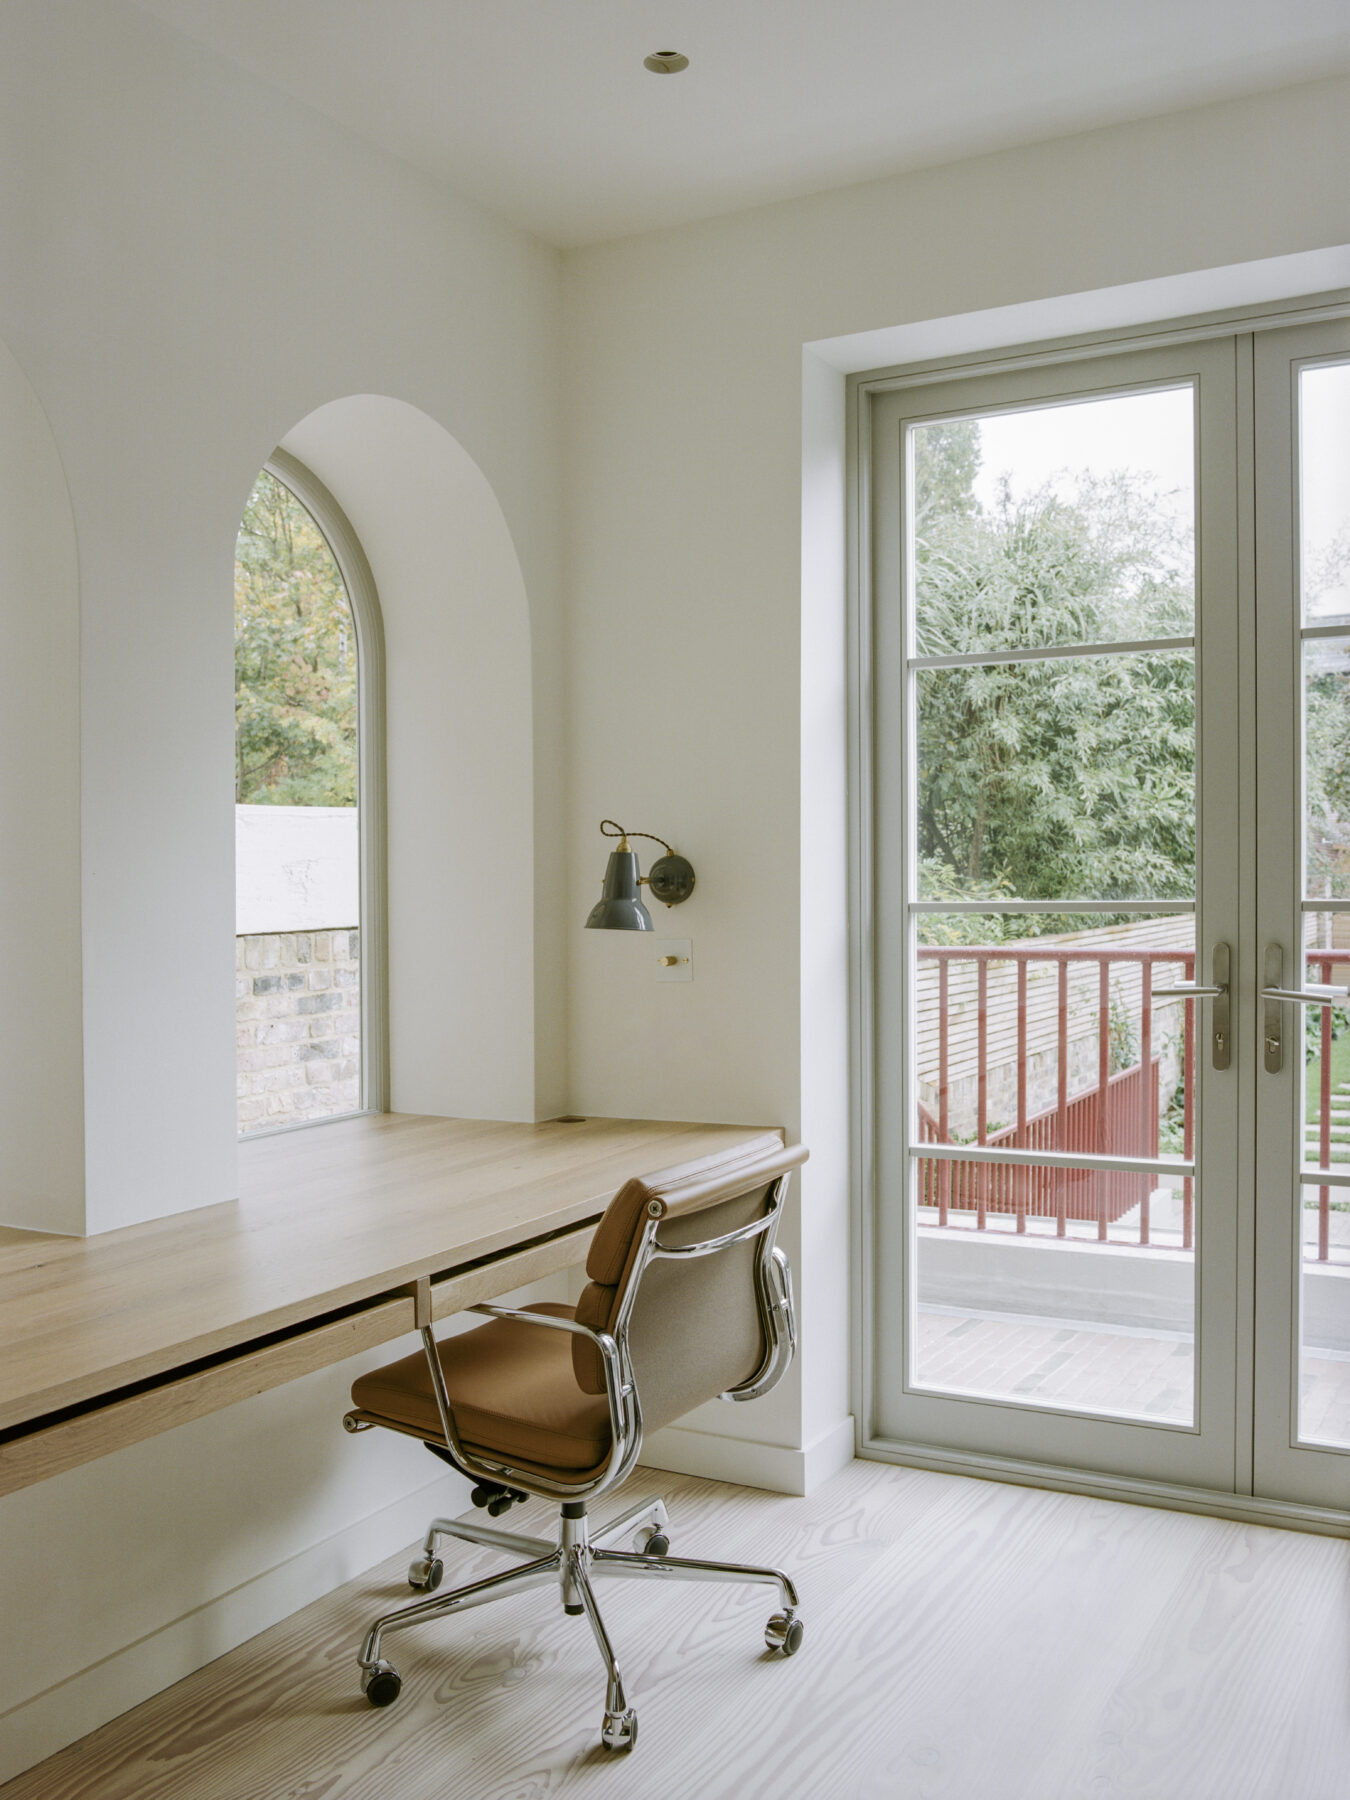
[
  {"x": 979, "y": 659},
  {"x": 1311, "y": 1177},
  {"x": 1053, "y": 1159},
  {"x": 1065, "y": 907},
  {"x": 1327, "y": 628}
]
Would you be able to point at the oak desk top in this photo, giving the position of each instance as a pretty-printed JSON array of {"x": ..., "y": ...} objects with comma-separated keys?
[{"x": 327, "y": 1218}]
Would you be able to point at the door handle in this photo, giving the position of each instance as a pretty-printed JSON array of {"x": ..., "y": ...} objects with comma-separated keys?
[
  {"x": 1317, "y": 993},
  {"x": 1221, "y": 1040},
  {"x": 1188, "y": 990}
]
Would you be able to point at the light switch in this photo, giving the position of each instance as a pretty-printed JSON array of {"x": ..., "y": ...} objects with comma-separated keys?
[{"x": 674, "y": 958}]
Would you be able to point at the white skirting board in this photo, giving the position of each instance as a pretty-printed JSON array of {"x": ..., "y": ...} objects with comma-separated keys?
[
  {"x": 47, "y": 1722},
  {"x": 751, "y": 1464}
]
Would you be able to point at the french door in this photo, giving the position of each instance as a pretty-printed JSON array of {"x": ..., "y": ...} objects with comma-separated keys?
[
  {"x": 1302, "y": 884},
  {"x": 1111, "y": 760}
]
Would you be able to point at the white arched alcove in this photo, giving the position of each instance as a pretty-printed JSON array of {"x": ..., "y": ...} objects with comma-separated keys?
[
  {"x": 41, "y": 1076},
  {"x": 459, "y": 736}
]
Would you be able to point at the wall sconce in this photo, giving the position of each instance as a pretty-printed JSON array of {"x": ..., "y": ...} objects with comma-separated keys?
[{"x": 671, "y": 880}]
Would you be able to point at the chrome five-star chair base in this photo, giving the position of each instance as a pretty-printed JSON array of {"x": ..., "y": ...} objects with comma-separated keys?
[{"x": 574, "y": 1563}]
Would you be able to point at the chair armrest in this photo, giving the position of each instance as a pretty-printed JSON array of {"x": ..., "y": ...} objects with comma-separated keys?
[
  {"x": 599, "y": 1338},
  {"x": 617, "y": 1389}
]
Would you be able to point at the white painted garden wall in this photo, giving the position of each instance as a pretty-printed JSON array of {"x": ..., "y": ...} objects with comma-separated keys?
[{"x": 296, "y": 868}]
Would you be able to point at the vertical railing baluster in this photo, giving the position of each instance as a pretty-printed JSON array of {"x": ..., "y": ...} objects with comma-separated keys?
[
  {"x": 1150, "y": 1106},
  {"x": 1062, "y": 1183},
  {"x": 981, "y": 1088},
  {"x": 1023, "y": 1179},
  {"x": 944, "y": 1171},
  {"x": 1324, "y": 1136},
  {"x": 1103, "y": 1085}
]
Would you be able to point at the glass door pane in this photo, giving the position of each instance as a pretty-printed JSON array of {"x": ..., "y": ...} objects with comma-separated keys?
[
  {"x": 1072, "y": 1286},
  {"x": 1043, "y": 1220},
  {"x": 1302, "y": 1430},
  {"x": 1046, "y": 773},
  {"x": 1324, "y": 581},
  {"x": 1324, "y": 1193}
]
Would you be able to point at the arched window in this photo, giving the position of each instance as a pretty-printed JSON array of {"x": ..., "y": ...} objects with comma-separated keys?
[{"x": 308, "y": 681}]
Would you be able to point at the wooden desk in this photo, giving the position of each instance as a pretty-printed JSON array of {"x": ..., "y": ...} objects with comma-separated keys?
[{"x": 110, "y": 1339}]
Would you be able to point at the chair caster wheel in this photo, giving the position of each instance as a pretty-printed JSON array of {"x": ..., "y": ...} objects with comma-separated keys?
[
  {"x": 653, "y": 1543},
  {"x": 619, "y": 1731},
  {"x": 425, "y": 1574},
  {"x": 784, "y": 1632},
  {"x": 381, "y": 1684}
]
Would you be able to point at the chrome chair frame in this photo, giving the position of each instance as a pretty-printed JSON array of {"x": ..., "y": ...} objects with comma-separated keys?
[{"x": 578, "y": 1556}]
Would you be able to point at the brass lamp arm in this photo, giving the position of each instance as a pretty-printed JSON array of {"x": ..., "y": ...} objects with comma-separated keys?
[{"x": 611, "y": 829}]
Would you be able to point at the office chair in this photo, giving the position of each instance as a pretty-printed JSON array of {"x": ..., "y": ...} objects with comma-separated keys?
[{"x": 688, "y": 1300}]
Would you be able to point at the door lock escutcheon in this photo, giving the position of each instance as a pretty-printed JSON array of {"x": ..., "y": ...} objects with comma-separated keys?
[
  {"x": 1276, "y": 996},
  {"x": 1220, "y": 1022}
]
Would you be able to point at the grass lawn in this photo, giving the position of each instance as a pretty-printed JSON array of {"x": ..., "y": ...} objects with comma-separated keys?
[{"x": 1340, "y": 1071}]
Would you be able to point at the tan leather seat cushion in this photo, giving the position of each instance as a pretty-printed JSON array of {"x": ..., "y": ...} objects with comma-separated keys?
[{"x": 512, "y": 1392}]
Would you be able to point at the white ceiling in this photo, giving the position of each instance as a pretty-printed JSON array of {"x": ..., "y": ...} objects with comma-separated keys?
[{"x": 541, "y": 109}]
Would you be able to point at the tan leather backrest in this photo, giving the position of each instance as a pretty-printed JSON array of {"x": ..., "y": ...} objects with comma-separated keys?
[{"x": 695, "y": 1328}]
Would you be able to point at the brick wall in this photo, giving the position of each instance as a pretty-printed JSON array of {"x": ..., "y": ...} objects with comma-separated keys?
[{"x": 298, "y": 1019}]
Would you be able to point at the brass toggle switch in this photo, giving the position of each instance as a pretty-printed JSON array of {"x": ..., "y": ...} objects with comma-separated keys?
[{"x": 674, "y": 959}]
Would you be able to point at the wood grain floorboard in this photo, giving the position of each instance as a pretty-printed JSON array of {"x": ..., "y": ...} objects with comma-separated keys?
[{"x": 965, "y": 1641}]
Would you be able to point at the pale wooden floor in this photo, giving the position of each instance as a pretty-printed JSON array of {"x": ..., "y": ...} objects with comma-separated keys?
[{"x": 965, "y": 1641}]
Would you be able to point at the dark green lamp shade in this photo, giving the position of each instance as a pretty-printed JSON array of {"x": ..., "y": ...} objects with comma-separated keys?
[{"x": 619, "y": 908}]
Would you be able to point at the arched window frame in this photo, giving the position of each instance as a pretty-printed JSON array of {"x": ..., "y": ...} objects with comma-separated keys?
[{"x": 372, "y": 844}]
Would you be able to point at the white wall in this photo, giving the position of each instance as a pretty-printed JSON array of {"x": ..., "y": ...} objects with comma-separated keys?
[
  {"x": 296, "y": 868},
  {"x": 41, "y": 1109},
  {"x": 461, "y": 765},
  {"x": 190, "y": 265},
  {"x": 705, "y": 599}
]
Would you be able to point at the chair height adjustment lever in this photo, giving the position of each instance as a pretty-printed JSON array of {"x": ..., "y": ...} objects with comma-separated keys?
[{"x": 496, "y": 1498}]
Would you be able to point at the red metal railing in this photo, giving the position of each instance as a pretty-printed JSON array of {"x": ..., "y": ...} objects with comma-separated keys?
[
  {"x": 1324, "y": 960},
  {"x": 1117, "y": 1115}
]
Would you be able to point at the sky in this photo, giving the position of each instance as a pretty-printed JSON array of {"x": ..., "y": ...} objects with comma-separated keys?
[
  {"x": 1324, "y": 471},
  {"x": 1152, "y": 435}
]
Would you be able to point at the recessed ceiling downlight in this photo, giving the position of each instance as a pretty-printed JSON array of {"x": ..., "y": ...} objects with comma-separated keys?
[{"x": 665, "y": 62}]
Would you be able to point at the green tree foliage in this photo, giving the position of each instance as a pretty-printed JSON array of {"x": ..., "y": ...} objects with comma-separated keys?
[
  {"x": 946, "y": 462},
  {"x": 294, "y": 659},
  {"x": 1068, "y": 777},
  {"x": 1326, "y": 724}
]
